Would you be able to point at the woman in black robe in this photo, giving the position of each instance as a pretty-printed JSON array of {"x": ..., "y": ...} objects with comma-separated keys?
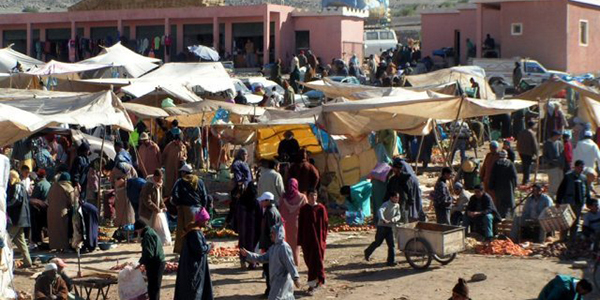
[{"x": 193, "y": 276}]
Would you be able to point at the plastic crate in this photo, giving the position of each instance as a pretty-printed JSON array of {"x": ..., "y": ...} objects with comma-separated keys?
[{"x": 557, "y": 218}]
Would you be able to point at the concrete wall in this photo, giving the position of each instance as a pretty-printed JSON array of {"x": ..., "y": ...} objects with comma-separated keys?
[
  {"x": 544, "y": 32},
  {"x": 352, "y": 38},
  {"x": 325, "y": 35},
  {"x": 437, "y": 31},
  {"x": 583, "y": 59}
]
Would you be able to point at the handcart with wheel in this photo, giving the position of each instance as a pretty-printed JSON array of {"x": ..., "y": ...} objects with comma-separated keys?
[{"x": 421, "y": 242}]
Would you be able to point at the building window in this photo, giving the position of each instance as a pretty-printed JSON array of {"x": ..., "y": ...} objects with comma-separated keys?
[
  {"x": 583, "y": 32},
  {"x": 516, "y": 28}
]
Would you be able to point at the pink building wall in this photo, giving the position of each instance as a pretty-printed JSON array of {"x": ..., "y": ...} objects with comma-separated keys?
[
  {"x": 583, "y": 59},
  {"x": 438, "y": 29},
  {"x": 328, "y": 32},
  {"x": 544, "y": 32}
]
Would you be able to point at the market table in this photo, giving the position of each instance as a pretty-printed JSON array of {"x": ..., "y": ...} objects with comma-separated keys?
[{"x": 85, "y": 286}]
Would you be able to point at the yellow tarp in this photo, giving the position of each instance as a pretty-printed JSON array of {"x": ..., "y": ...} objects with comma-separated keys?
[{"x": 269, "y": 138}]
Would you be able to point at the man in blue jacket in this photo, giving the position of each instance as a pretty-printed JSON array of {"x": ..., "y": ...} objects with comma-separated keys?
[{"x": 564, "y": 287}]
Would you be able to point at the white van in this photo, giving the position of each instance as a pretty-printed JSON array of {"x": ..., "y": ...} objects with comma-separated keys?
[{"x": 378, "y": 40}]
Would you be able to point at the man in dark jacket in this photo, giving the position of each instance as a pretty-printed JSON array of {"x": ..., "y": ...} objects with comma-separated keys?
[
  {"x": 79, "y": 169},
  {"x": 575, "y": 191},
  {"x": 503, "y": 182},
  {"x": 153, "y": 258},
  {"x": 528, "y": 147},
  {"x": 19, "y": 219},
  {"x": 442, "y": 197},
  {"x": 554, "y": 159},
  {"x": 270, "y": 218},
  {"x": 481, "y": 213}
]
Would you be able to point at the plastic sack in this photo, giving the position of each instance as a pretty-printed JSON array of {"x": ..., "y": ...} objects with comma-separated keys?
[
  {"x": 380, "y": 172},
  {"x": 355, "y": 218},
  {"x": 131, "y": 284},
  {"x": 161, "y": 226}
]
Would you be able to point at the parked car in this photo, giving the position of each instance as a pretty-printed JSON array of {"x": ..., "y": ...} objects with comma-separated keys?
[
  {"x": 500, "y": 71},
  {"x": 315, "y": 97},
  {"x": 378, "y": 40}
]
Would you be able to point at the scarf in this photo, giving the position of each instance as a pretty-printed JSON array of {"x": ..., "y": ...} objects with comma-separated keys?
[{"x": 291, "y": 192}]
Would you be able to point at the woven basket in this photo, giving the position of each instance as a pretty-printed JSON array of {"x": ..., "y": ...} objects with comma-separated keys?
[{"x": 557, "y": 218}]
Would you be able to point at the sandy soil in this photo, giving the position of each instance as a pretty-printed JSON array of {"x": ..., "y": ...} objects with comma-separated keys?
[{"x": 350, "y": 277}]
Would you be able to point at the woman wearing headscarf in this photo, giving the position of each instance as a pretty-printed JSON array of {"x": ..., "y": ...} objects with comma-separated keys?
[
  {"x": 295, "y": 74},
  {"x": 303, "y": 171},
  {"x": 193, "y": 275},
  {"x": 243, "y": 210},
  {"x": 61, "y": 199},
  {"x": 17, "y": 208},
  {"x": 289, "y": 208},
  {"x": 283, "y": 274}
]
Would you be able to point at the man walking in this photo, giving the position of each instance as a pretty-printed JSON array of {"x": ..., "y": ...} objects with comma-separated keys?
[
  {"x": 575, "y": 191},
  {"x": 153, "y": 258}
]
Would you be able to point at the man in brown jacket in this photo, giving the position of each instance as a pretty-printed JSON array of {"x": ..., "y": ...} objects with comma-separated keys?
[
  {"x": 528, "y": 147},
  {"x": 49, "y": 285},
  {"x": 151, "y": 201}
]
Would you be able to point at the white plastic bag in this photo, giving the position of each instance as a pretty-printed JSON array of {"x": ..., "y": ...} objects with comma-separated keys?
[
  {"x": 161, "y": 226},
  {"x": 131, "y": 284}
]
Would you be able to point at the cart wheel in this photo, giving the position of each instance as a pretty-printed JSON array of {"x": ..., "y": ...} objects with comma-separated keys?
[
  {"x": 418, "y": 253},
  {"x": 444, "y": 260}
]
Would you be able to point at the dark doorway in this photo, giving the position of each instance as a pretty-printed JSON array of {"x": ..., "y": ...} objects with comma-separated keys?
[
  {"x": 302, "y": 41},
  {"x": 456, "y": 47}
]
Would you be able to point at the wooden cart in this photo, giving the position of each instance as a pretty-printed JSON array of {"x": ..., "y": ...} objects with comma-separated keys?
[
  {"x": 85, "y": 286},
  {"x": 422, "y": 242}
]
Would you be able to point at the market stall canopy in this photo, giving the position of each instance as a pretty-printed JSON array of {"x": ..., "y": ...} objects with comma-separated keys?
[
  {"x": 210, "y": 77},
  {"x": 145, "y": 111},
  {"x": 589, "y": 102},
  {"x": 17, "y": 124},
  {"x": 461, "y": 74},
  {"x": 180, "y": 94},
  {"x": 85, "y": 110},
  {"x": 16, "y": 94},
  {"x": 60, "y": 68},
  {"x": 10, "y": 57},
  {"x": 333, "y": 89},
  {"x": 198, "y": 113},
  {"x": 135, "y": 65}
]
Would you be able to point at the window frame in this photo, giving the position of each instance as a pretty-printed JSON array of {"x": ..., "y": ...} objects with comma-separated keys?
[
  {"x": 587, "y": 33},
  {"x": 512, "y": 29}
]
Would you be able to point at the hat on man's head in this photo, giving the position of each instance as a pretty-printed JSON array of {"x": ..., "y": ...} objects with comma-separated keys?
[
  {"x": 266, "y": 196},
  {"x": 144, "y": 136},
  {"x": 461, "y": 288},
  {"x": 186, "y": 168},
  {"x": 588, "y": 133},
  {"x": 50, "y": 267},
  {"x": 503, "y": 154},
  {"x": 59, "y": 262},
  {"x": 494, "y": 144},
  {"x": 555, "y": 133},
  {"x": 458, "y": 186}
]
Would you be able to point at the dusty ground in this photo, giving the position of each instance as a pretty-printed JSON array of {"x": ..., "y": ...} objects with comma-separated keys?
[{"x": 350, "y": 277}]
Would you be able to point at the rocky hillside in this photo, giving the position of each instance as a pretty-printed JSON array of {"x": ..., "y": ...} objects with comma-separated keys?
[{"x": 398, "y": 7}]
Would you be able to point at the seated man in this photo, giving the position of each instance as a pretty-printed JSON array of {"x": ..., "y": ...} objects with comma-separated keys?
[
  {"x": 49, "y": 285},
  {"x": 565, "y": 287},
  {"x": 460, "y": 203},
  {"x": 591, "y": 221},
  {"x": 481, "y": 213},
  {"x": 531, "y": 212}
]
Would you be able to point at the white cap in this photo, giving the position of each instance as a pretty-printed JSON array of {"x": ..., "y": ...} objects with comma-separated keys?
[
  {"x": 50, "y": 267},
  {"x": 266, "y": 196},
  {"x": 588, "y": 133},
  {"x": 186, "y": 168}
]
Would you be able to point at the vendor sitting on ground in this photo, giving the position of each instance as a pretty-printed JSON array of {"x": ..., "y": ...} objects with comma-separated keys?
[
  {"x": 460, "y": 203},
  {"x": 591, "y": 221},
  {"x": 481, "y": 213},
  {"x": 528, "y": 221},
  {"x": 49, "y": 285},
  {"x": 565, "y": 287},
  {"x": 61, "y": 265}
]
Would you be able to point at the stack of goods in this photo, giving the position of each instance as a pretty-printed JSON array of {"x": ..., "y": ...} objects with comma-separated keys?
[
  {"x": 219, "y": 233},
  {"x": 571, "y": 251},
  {"x": 346, "y": 227},
  {"x": 502, "y": 247}
]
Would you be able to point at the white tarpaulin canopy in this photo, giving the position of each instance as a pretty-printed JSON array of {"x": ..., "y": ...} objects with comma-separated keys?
[
  {"x": 17, "y": 124},
  {"x": 135, "y": 65},
  {"x": 210, "y": 77},
  {"x": 462, "y": 75},
  {"x": 85, "y": 110},
  {"x": 145, "y": 111},
  {"x": 60, "y": 68},
  {"x": 15, "y": 94},
  {"x": 10, "y": 57},
  {"x": 333, "y": 89}
]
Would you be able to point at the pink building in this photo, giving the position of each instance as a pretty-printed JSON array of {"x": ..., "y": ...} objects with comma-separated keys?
[
  {"x": 229, "y": 29},
  {"x": 561, "y": 34}
]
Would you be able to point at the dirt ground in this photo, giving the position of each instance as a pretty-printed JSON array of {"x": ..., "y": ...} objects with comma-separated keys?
[{"x": 350, "y": 277}]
